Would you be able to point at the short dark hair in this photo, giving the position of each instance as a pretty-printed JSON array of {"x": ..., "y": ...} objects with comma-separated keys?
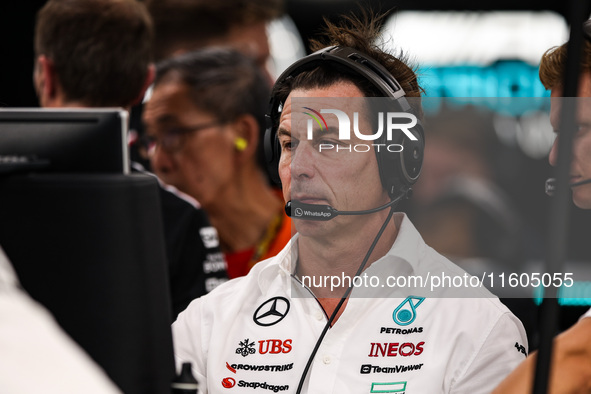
[
  {"x": 223, "y": 82},
  {"x": 193, "y": 24},
  {"x": 360, "y": 33},
  {"x": 101, "y": 49},
  {"x": 553, "y": 64}
]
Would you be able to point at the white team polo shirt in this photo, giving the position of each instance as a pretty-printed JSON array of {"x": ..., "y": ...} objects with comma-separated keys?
[{"x": 254, "y": 334}]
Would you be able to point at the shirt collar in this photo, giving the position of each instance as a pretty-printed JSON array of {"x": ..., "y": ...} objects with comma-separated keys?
[
  {"x": 8, "y": 276},
  {"x": 281, "y": 267},
  {"x": 403, "y": 257},
  {"x": 409, "y": 246}
]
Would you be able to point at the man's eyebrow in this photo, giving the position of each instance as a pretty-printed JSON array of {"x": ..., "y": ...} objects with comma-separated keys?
[
  {"x": 331, "y": 130},
  {"x": 585, "y": 124},
  {"x": 166, "y": 118},
  {"x": 282, "y": 132}
]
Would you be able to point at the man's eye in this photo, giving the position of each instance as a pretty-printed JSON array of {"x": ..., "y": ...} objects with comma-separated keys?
[
  {"x": 174, "y": 131},
  {"x": 286, "y": 145}
]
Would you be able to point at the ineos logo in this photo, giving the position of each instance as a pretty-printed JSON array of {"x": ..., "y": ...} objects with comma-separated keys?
[{"x": 271, "y": 311}]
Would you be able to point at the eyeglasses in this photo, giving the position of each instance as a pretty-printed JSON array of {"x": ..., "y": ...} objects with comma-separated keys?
[{"x": 172, "y": 139}]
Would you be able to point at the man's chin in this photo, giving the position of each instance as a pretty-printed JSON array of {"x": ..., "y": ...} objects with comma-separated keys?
[
  {"x": 582, "y": 197},
  {"x": 310, "y": 228}
]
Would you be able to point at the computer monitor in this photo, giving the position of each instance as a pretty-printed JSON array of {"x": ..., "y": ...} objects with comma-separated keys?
[
  {"x": 68, "y": 140},
  {"x": 86, "y": 240}
]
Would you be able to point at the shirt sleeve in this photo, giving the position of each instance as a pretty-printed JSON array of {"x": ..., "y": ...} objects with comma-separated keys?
[
  {"x": 502, "y": 350},
  {"x": 37, "y": 355},
  {"x": 190, "y": 346}
]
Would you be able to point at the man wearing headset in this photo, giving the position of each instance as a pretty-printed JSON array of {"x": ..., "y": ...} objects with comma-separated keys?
[
  {"x": 281, "y": 328},
  {"x": 571, "y": 363}
]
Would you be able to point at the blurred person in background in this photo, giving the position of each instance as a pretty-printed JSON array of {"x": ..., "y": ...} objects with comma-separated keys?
[
  {"x": 459, "y": 208},
  {"x": 460, "y": 165},
  {"x": 186, "y": 25},
  {"x": 97, "y": 53},
  {"x": 571, "y": 356},
  {"x": 206, "y": 118}
]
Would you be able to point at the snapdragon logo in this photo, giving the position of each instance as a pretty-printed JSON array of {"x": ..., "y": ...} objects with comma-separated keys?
[{"x": 387, "y": 122}]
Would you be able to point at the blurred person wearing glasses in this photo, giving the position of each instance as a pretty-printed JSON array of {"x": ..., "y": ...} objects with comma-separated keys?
[{"x": 205, "y": 120}]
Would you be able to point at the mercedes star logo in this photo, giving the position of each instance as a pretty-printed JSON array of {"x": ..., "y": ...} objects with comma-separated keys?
[{"x": 271, "y": 311}]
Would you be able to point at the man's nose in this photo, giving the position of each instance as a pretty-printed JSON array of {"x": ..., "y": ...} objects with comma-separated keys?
[
  {"x": 302, "y": 161},
  {"x": 160, "y": 161},
  {"x": 553, "y": 156}
]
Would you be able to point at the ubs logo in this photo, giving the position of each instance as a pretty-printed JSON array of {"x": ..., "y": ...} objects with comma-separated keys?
[
  {"x": 271, "y": 311},
  {"x": 271, "y": 346},
  {"x": 274, "y": 346},
  {"x": 245, "y": 348}
]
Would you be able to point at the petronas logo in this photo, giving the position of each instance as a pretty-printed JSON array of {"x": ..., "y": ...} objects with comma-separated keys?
[{"x": 406, "y": 312}]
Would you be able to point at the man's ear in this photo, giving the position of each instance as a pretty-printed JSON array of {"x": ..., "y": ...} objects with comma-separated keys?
[
  {"x": 247, "y": 137},
  {"x": 45, "y": 81},
  {"x": 150, "y": 75}
]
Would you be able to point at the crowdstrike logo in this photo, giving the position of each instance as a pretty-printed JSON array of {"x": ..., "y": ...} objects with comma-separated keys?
[
  {"x": 260, "y": 368},
  {"x": 387, "y": 122}
]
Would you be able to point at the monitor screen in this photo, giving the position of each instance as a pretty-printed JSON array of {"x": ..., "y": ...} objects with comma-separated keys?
[{"x": 64, "y": 140}]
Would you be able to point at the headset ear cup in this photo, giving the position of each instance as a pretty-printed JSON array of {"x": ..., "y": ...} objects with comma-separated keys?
[
  {"x": 272, "y": 149},
  {"x": 412, "y": 155},
  {"x": 399, "y": 171}
]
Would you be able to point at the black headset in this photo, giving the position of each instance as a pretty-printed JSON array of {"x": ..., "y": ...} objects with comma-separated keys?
[{"x": 398, "y": 172}]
